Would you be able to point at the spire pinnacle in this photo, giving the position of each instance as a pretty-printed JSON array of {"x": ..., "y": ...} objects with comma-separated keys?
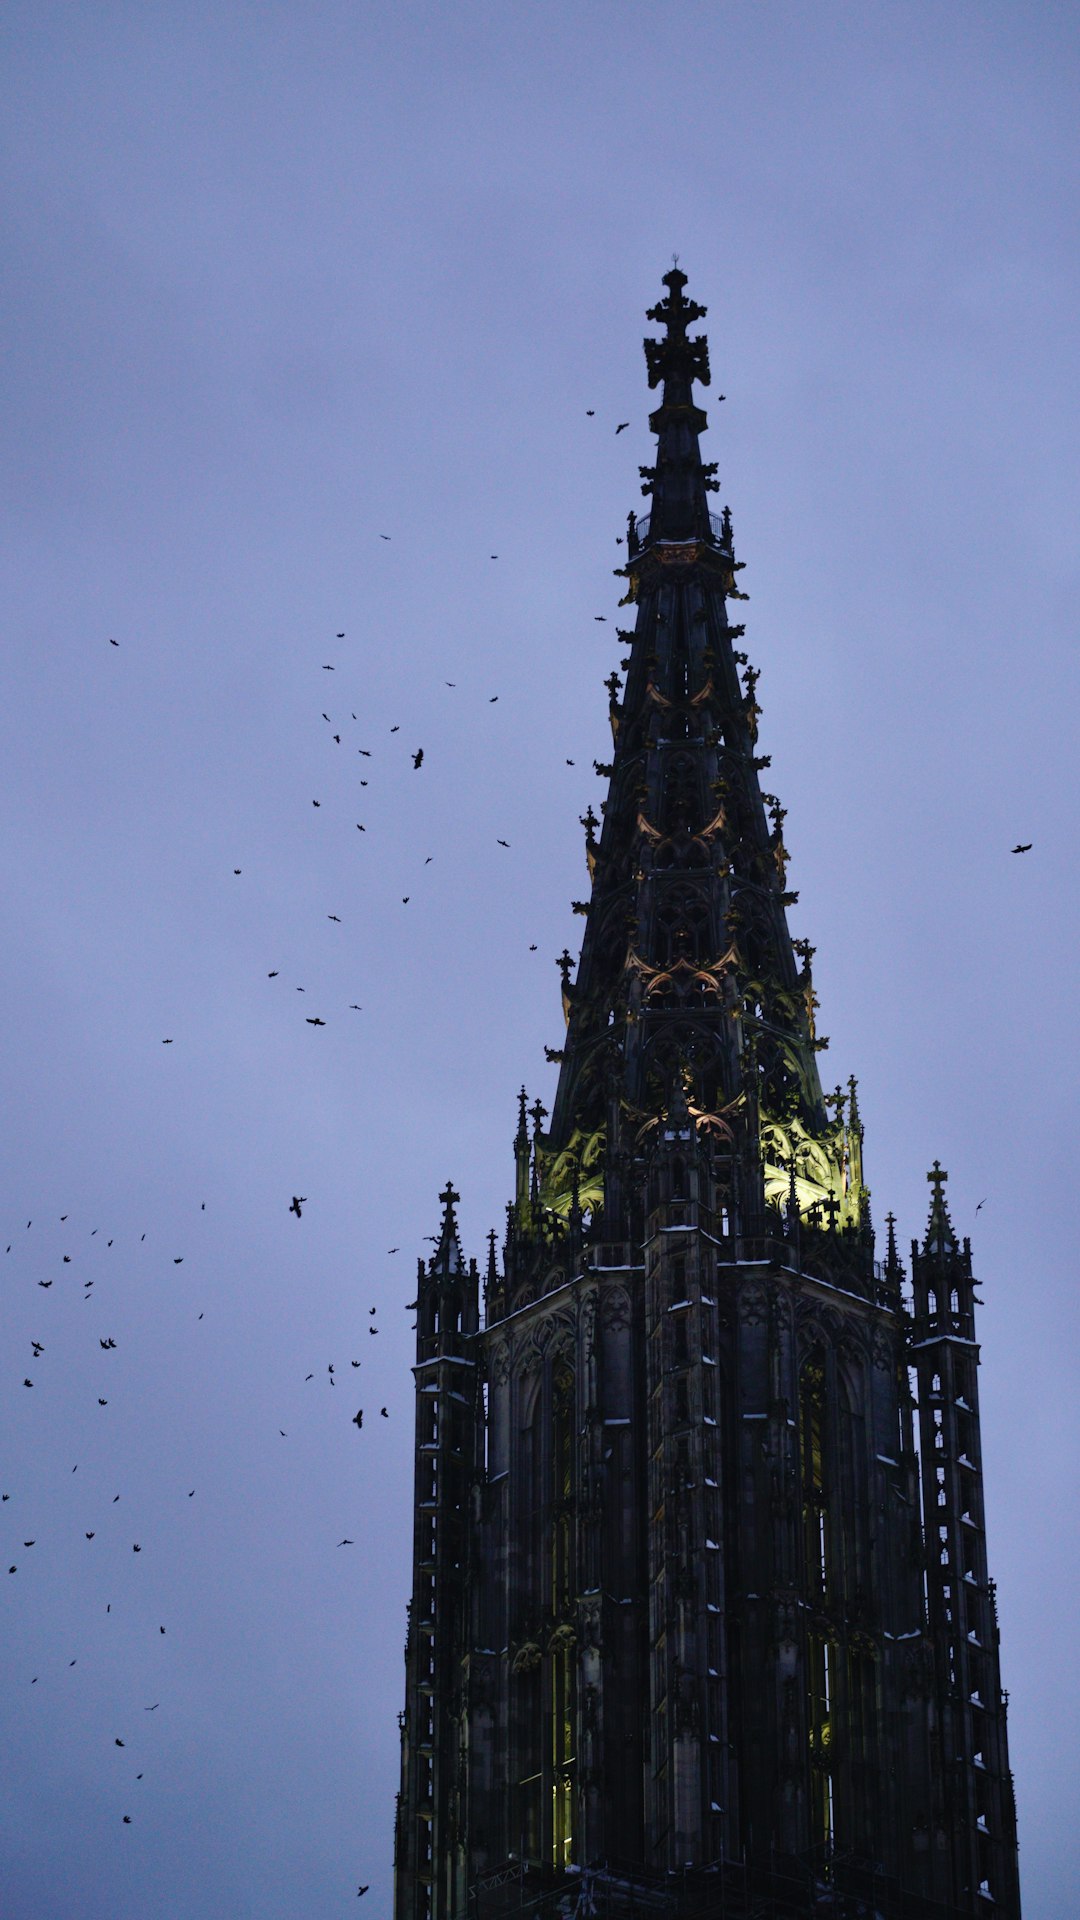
[
  {"x": 448, "y": 1256},
  {"x": 940, "y": 1237}
]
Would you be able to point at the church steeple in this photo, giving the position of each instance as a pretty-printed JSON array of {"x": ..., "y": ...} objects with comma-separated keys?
[{"x": 687, "y": 966}]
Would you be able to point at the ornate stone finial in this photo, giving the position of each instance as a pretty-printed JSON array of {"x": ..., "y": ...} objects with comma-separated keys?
[
  {"x": 831, "y": 1206},
  {"x": 892, "y": 1258},
  {"x": 449, "y": 1199},
  {"x": 522, "y": 1129},
  {"x": 565, "y": 962},
  {"x": 537, "y": 1113},
  {"x": 940, "y": 1237}
]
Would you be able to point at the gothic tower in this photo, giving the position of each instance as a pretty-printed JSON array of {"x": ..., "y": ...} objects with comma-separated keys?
[{"x": 701, "y": 1621}]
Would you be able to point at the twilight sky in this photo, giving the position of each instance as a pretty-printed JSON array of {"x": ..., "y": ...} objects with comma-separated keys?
[{"x": 281, "y": 280}]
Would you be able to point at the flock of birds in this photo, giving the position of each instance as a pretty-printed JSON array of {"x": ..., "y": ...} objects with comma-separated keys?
[{"x": 59, "y": 1269}]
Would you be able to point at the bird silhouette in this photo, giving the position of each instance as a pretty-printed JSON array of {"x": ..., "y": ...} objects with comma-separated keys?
[
  {"x": 361, "y": 1890},
  {"x": 154, "y": 1708},
  {"x": 1024, "y": 848},
  {"x": 358, "y": 1418},
  {"x": 316, "y": 1022},
  {"x": 166, "y": 1043},
  {"x": 589, "y": 412},
  {"x": 119, "y": 1743},
  {"x": 136, "y": 1548},
  {"x": 493, "y": 699},
  {"x": 101, "y": 1402},
  {"x": 353, "y": 1008},
  {"x": 384, "y": 536},
  {"x": 354, "y": 1363},
  {"x": 418, "y": 757},
  {"x": 298, "y": 1200},
  {"x": 127, "y": 1819},
  {"x": 112, "y": 642},
  {"x": 980, "y": 1206},
  {"x": 37, "y": 1346},
  {"x": 328, "y": 669},
  {"x": 334, "y": 916},
  {"x": 28, "y": 1383},
  {"x": 384, "y": 1413},
  {"x": 532, "y": 948},
  {"x": 89, "y": 1536},
  {"x": 405, "y": 899},
  {"x": 274, "y": 975},
  {"x": 346, "y": 1543},
  {"x": 622, "y": 426},
  {"x": 570, "y": 763},
  {"x": 601, "y": 617},
  {"x": 341, "y": 636},
  {"x": 396, "y": 729},
  {"x": 316, "y": 803}
]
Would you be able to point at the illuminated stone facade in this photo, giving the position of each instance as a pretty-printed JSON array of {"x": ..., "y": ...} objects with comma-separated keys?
[{"x": 701, "y": 1619}]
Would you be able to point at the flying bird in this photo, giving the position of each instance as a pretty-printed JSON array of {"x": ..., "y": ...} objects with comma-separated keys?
[
  {"x": 358, "y": 1418},
  {"x": 502, "y": 843},
  {"x": 316, "y": 1022},
  {"x": 328, "y": 669},
  {"x": 418, "y": 757},
  {"x": 89, "y": 1536},
  {"x": 396, "y": 729},
  {"x": 274, "y": 975},
  {"x": 353, "y": 1008},
  {"x": 316, "y": 803},
  {"x": 384, "y": 536},
  {"x": 981, "y": 1204},
  {"x": 589, "y": 412},
  {"x": 601, "y": 617},
  {"x": 101, "y": 1402},
  {"x": 166, "y": 1043},
  {"x": 341, "y": 636},
  {"x": 1024, "y": 848},
  {"x": 405, "y": 899},
  {"x": 570, "y": 763},
  {"x": 532, "y": 948},
  {"x": 136, "y": 1548},
  {"x": 112, "y": 642},
  {"x": 154, "y": 1708},
  {"x": 334, "y": 916},
  {"x": 384, "y": 1413},
  {"x": 493, "y": 699},
  {"x": 354, "y": 1363},
  {"x": 623, "y": 424},
  {"x": 28, "y": 1383},
  {"x": 298, "y": 1200},
  {"x": 119, "y": 1743},
  {"x": 346, "y": 1543},
  {"x": 127, "y": 1819}
]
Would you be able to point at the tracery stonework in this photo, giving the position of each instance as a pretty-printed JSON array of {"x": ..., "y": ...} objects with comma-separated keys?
[{"x": 701, "y": 1618}]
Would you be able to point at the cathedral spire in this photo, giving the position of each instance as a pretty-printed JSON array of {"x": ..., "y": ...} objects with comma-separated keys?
[{"x": 687, "y": 964}]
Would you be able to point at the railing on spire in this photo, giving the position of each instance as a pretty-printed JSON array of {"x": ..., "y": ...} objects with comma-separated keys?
[{"x": 638, "y": 536}]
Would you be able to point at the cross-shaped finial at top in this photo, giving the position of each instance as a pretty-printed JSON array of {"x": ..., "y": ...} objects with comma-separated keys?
[
  {"x": 448, "y": 1197},
  {"x": 936, "y": 1177}
]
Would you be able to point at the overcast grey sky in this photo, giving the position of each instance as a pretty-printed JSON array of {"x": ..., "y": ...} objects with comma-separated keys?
[{"x": 280, "y": 280}]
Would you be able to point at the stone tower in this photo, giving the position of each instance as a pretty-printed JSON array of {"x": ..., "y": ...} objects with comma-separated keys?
[{"x": 701, "y": 1621}]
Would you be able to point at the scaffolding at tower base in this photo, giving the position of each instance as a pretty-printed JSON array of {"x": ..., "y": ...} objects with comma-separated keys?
[{"x": 840, "y": 1887}]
